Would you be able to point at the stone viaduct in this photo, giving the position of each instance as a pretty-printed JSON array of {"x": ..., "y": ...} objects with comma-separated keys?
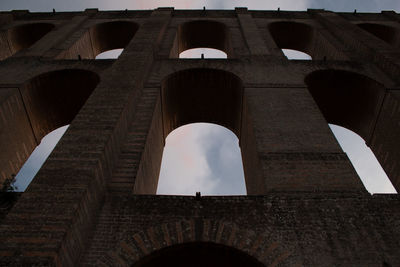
[{"x": 94, "y": 202}]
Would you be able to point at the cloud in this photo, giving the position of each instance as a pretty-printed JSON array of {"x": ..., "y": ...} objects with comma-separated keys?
[{"x": 201, "y": 157}]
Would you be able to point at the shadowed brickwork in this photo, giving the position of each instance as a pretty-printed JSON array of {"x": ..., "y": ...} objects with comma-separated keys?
[{"x": 93, "y": 202}]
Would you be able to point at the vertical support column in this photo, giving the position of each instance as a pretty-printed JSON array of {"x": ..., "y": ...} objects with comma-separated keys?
[
  {"x": 4, "y": 45},
  {"x": 251, "y": 33},
  {"x": 56, "y": 42},
  {"x": 296, "y": 149},
  {"x": 53, "y": 220},
  {"x": 16, "y": 136},
  {"x": 385, "y": 140}
]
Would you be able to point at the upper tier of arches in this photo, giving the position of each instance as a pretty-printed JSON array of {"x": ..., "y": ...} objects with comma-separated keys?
[
  {"x": 21, "y": 37},
  {"x": 202, "y": 34},
  {"x": 389, "y": 34},
  {"x": 102, "y": 37}
]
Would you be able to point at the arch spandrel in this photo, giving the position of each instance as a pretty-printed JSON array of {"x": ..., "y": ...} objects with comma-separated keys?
[{"x": 256, "y": 247}]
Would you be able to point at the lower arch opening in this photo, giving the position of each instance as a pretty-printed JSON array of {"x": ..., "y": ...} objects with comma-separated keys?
[
  {"x": 364, "y": 161},
  {"x": 37, "y": 158},
  {"x": 201, "y": 157},
  {"x": 196, "y": 254}
]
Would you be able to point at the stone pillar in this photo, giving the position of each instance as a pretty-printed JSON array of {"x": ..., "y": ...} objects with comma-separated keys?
[
  {"x": 54, "y": 218},
  {"x": 385, "y": 142},
  {"x": 251, "y": 33},
  {"x": 296, "y": 149},
  {"x": 17, "y": 137}
]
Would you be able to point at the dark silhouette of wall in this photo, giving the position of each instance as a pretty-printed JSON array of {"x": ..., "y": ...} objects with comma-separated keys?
[{"x": 93, "y": 202}]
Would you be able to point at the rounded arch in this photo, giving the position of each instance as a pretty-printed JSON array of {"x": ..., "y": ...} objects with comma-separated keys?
[
  {"x": 292, "y": 35},
  {"x": 202, "y": 34},
  {"x": 111, "y": 35},
  {"x": 24, "y": 35},
  {"x": 347, "y": 99},
  {"x": 260, "y": 247},
  {"x": 202, "y": 95},
  {"x": 389, "y": 34},
  {"x": 101, "y": 37},
  {"x": 203, "y": 53},
  {"x": 54, "y": 98},
  {"x": 199, "y": 254},
  {"x": 201, "y": 157}
]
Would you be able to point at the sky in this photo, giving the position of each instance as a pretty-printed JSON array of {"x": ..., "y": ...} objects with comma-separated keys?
[{"x": 206, "y": 157}]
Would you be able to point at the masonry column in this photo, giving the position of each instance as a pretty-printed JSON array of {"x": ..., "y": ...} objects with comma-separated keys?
[
  {"x": 252, "y": 36},
  {"x": 385, "y": 141},
  {"x": 296, "y": 149},
  {"x": 53, "y": 220}
]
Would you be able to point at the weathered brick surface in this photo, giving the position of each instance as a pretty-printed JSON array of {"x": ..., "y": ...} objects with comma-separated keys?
[
  {"x": 306, "y": 229},
  {"x": 306, "y": 205}
]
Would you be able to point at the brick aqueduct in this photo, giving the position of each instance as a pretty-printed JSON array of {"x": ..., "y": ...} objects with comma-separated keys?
[{"x": 93, "y": 202}]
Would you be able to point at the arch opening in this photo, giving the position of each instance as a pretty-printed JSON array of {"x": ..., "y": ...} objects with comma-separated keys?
[
  {"x": 293, "y": 35},
  {"x": 202, "y": 34},
  {"x": 199, "y": 95},
  {"x": 102, "y": 37},
  {"x": 24, "y": 36},
  {"x": 364, "y": 161},
  {"x": 43, "y": 104},
  {"x": 386, "y": 33},
  {"x": 196, "y": 254},
  {"x": 37, "y": 158},
  {"x": 295, "y": 54},
  {"x": 201, "y": 157},
  {"x": 347, "y": 99},
  {"x": 110, "y": 54},
  {"x": 53, "y": 99},
  {"x": 202, "y": 95},
  {"x": 203, "y": 52}
]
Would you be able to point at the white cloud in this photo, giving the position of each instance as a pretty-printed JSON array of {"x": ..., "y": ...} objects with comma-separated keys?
[
  {"x": 204, "y": 158},
  {"x": 184, "y": 169}
]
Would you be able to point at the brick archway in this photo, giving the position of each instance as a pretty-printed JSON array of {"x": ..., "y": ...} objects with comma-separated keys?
[{"x": 141, "y": 244}]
